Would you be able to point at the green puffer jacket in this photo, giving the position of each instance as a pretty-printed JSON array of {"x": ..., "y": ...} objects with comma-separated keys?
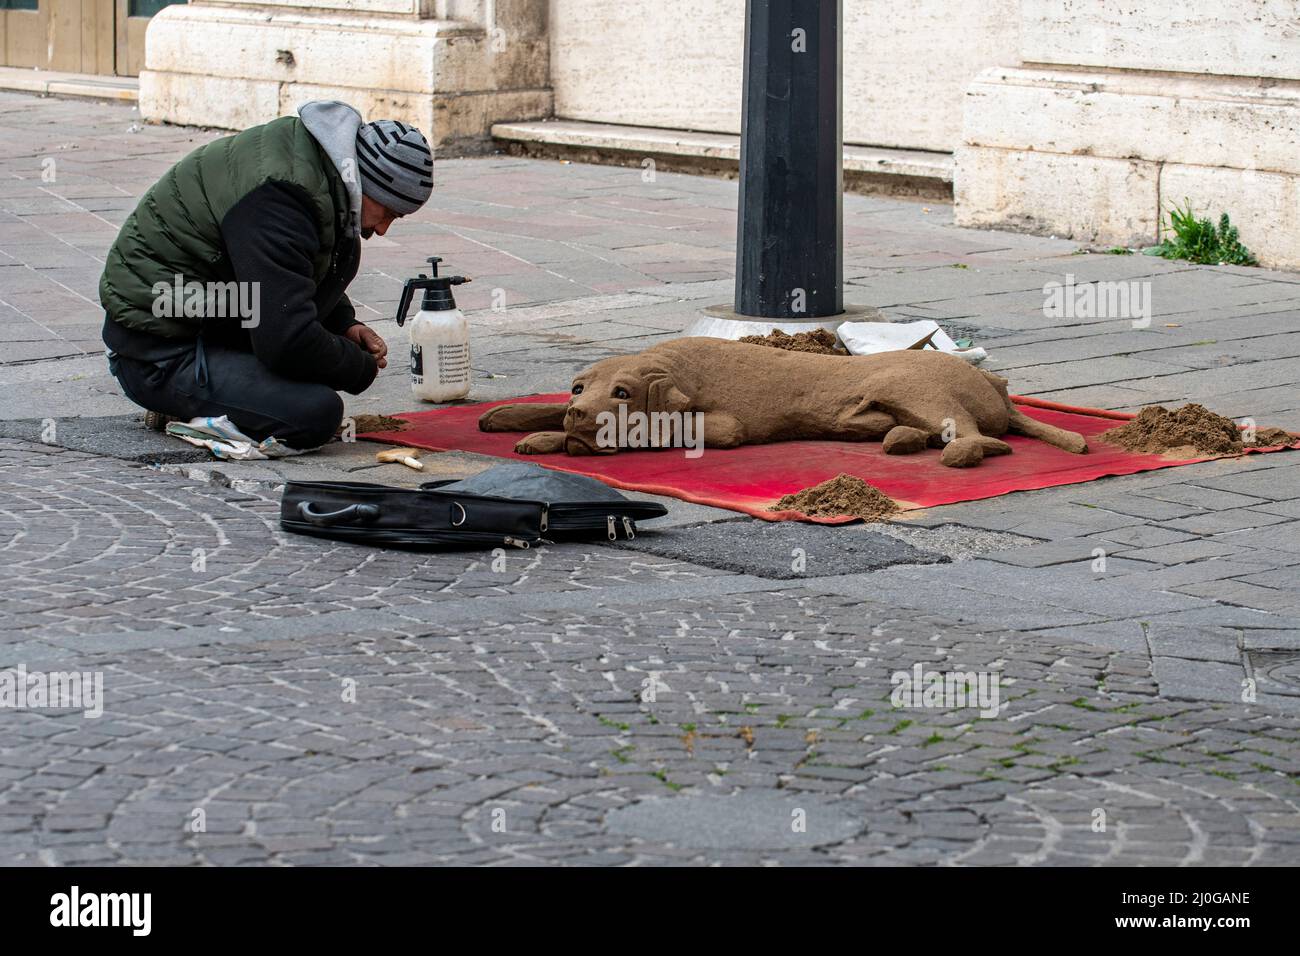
[{"x": 176, "y": 228}]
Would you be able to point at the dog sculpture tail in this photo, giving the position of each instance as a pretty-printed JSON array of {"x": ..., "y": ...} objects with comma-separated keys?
[{"x": 1018, "y": 423}]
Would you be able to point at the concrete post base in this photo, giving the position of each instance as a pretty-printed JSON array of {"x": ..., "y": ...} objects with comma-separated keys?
[{"x": 724, "y": 322}]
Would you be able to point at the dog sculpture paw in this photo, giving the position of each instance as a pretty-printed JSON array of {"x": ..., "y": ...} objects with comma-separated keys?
[{"x": 541, "y": 443}]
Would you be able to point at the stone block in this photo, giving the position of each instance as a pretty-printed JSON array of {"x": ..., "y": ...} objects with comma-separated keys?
[
  {"x": 1264, "y": 206},
  {"x": 451, "y": 79},
  {"x": 1100, "y": 156},
  {"x": 1077, "y": 112},
  {"x": 1198, "y": 680},
  {"x": 1212, "y": 36},
  {"x": 223, "y": 102},
  {"x": 1107, "y": 201}
]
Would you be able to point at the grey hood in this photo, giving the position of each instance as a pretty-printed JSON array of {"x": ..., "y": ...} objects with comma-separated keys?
[{"x": 334, "y": 126}]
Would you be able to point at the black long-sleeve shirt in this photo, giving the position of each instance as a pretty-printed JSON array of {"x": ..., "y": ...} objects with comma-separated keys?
[{"x": 271, "y": 239}]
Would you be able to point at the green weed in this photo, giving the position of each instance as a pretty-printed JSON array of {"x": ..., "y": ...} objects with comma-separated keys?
[{"x": 1199, "y": 241}]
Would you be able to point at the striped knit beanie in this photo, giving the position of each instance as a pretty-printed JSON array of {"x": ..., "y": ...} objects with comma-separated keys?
[{"x": 395, "y": 164}]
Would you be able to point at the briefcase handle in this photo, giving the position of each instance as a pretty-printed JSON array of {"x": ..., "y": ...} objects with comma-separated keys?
[{"x": 351, "y": 514}]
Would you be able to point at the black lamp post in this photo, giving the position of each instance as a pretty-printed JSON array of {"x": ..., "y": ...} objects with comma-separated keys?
[
  {"x": 789, "y": 229},
  {"x": 789, "y": 233}
]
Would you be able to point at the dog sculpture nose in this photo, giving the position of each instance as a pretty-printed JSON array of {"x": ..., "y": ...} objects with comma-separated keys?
[{"x": 576, "y": 413}]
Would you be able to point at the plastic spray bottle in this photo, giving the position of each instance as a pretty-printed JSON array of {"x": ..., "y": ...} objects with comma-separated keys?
[{"x": 439, "y": 338}]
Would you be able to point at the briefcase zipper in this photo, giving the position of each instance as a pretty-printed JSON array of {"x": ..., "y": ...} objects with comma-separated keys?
[
  {"x": 584, "y": 516},
  {"x": 559, "y": 522},
  {"x": 369, "y": 533}
]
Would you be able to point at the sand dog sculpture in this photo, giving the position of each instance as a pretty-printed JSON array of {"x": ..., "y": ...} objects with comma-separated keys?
[{"x": 751, "y": 394}]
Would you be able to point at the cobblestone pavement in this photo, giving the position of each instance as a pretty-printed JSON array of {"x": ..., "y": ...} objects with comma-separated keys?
[{"x": 270, "y": 698}]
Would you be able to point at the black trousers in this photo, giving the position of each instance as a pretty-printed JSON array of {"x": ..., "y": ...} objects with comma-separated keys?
[{"x": 212, "y": 380}]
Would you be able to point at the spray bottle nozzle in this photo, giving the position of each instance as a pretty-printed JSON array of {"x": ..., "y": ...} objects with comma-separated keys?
[{"x": 437, "y": 291}]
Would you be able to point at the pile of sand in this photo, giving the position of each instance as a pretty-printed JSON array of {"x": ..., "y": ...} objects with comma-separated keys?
[
  {"x": 1190, "y": 431},
  {"x": 841, "y": 495},
  {"x": 820, "y": 341},
  {"x": 377, "y": 423},
  {"x": 1270, "y": 437}
]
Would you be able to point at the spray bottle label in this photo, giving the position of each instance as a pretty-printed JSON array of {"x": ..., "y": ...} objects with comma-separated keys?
[
  {"x": 453, "y": 363},
  {"x": 417, "y": 364}
]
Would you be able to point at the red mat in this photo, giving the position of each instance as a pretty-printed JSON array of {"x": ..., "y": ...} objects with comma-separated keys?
[{"x": 751, "y": 478}]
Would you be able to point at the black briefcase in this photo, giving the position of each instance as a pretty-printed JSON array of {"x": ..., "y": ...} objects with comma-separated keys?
[
  {"x": 409, "y": 518},
  {"x": 517, "y": 505},
  {"x": 577, "y": 507}
]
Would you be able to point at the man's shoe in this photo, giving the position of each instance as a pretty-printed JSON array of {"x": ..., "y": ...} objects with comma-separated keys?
[{"x": 157, "y": 421}]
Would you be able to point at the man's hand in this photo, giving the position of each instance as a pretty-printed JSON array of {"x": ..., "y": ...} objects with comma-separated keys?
[{"x": 368, "y": 339}]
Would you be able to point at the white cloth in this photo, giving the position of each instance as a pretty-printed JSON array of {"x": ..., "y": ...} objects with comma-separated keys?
[
  {"x": 868, "y": 338},
  {"x": 220, "y": 436}
]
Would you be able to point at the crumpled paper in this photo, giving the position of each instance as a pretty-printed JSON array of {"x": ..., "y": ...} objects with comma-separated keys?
[{"x": 220, "y": 436}]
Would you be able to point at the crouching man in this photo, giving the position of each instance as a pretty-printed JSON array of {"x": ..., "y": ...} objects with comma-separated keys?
[{"x": 224, "y": 291}]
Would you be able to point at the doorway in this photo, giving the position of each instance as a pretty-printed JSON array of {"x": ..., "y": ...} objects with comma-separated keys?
[{"x": 76, "y": 36}]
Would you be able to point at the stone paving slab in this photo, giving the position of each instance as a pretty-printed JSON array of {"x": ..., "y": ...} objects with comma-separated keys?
[
  {"x": 430, "y": 751},
  {"x": 323, "y": 703}
]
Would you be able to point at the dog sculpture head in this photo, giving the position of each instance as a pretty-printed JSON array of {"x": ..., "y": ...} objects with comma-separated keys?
[{"x": 641, "y": 382}]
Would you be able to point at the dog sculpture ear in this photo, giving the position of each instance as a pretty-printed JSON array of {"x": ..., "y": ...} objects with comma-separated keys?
[{"x": 662, "y": 393}]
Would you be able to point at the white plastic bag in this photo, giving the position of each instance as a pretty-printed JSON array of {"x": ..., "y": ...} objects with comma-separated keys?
[
  {"x": 220, "y": 436},
  {"x": 868, "y": 338}
]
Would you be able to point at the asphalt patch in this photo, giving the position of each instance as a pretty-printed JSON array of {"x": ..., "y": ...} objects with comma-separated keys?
[
  {"x": 779, "y": 549},
  {"x": 115, "y": 436},
  {"x": 747, "y": 820}
]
